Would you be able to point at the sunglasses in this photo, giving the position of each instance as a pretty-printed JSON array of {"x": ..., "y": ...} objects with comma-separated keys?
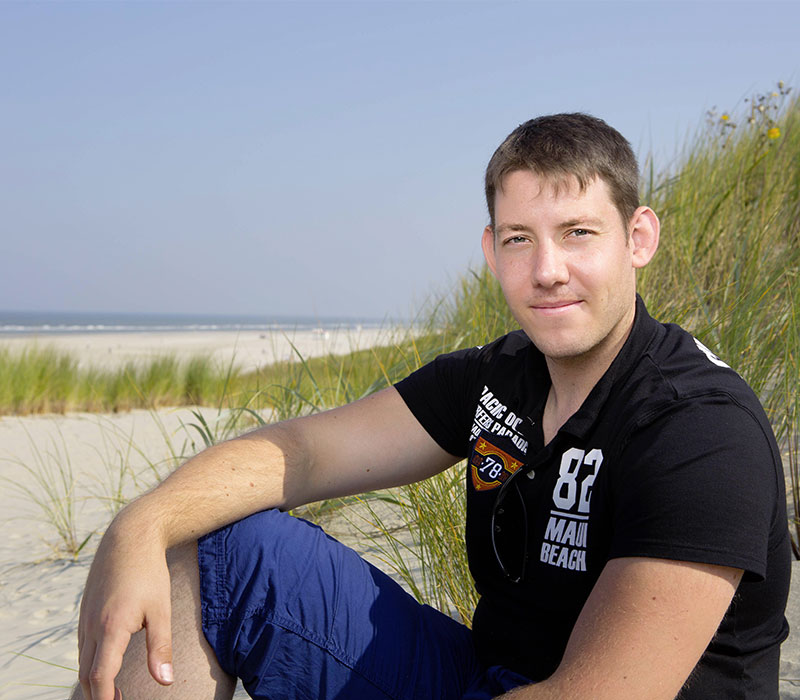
[{"x": 508, "y": 510}]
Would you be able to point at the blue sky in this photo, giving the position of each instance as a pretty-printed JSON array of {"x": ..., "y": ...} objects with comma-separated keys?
[{"x": 322, "y": 159}]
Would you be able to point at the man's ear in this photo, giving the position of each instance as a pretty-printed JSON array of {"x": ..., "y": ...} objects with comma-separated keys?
[
  {"x": 487, "y": 243},
  {"x": 644, "y": 235}
]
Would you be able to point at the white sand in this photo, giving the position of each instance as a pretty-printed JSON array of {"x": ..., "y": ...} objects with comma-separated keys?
[
  {"x": 246, "y": 349},
  {"x": 40, "y": 593}
]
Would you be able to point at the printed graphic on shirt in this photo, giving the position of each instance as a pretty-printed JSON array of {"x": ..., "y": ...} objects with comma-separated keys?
[
  {"x": 492, "y": 415},
  {"x": 564, "y": 543},
  {"x": 491, "y": 466},
  {"x": 710, "y": 355}
]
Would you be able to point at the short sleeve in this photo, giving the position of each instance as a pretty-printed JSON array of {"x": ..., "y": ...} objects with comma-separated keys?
[
  {"x": 698, "y": 484},
  {"x": 441, "y": 397}
]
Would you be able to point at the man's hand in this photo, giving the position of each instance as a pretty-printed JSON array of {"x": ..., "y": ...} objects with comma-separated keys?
[{"x": 128, "y": 588}]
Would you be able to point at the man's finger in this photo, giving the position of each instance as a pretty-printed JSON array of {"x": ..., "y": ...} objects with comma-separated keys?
[
  {"x": 107, "y": 663},
  {"x": 159, "y": 648},
  {"x": 85, "y": 661}
]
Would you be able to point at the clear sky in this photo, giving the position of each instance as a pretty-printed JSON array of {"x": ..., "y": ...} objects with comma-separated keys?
[{"x": 326, "y": 159}]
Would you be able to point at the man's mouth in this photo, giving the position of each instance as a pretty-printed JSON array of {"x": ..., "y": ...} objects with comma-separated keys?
[{"x": 553, "y": 307}]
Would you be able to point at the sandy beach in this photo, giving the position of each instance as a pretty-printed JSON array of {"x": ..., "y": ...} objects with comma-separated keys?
[{"x": 91, "y": 461}]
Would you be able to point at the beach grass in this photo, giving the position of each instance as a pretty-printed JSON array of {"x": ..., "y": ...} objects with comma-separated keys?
[
  {"x": 42, "y": 379},
  {"x": 52, "y": 489},
  {"x": 728, "y": 267},
  {"x": 728, "y": 270}
]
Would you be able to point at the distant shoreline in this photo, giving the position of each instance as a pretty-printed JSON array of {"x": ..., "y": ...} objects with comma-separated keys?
[{"x": 46, "y": 323}]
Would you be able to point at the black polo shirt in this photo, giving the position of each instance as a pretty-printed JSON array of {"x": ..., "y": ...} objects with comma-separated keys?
[{"x": 670, "y": 456}]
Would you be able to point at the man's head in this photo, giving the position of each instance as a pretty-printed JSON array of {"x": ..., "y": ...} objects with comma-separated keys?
[
  {"x": 560, "y": 148},
  {"x": 567, "y": 235}
]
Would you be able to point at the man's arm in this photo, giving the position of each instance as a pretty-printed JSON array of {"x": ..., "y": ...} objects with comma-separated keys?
[
  {"x": 373, "y": 443},
  {"x": 641, "y": 632}
]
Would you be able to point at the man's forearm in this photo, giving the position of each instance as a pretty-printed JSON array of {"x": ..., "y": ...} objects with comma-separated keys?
[
  {"x": 373, "y": 443},
  {"x": 641, "y": 632},
  {"x": 222, "y": 484}
]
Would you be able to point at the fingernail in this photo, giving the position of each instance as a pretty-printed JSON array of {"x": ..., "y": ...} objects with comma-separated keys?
[{"x": 166, "y": 673}]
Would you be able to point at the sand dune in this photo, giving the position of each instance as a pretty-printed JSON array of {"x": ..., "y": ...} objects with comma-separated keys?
[{"x": 89, "y": 461}]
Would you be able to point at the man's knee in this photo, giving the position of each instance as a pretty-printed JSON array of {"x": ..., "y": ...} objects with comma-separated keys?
[{"x": 197, "y": 672}]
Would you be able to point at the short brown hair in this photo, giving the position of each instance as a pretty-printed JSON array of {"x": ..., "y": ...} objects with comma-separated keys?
[{"x": 560, "y": 146}]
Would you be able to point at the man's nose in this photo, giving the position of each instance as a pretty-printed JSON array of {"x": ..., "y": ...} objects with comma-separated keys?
[{"x": 549, "y": 265}]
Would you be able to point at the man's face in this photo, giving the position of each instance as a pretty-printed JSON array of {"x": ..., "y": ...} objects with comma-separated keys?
[{"x": 565, "y": 265}]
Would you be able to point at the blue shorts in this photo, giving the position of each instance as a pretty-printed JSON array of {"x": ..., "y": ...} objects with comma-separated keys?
[{"x": 296, "y": 614}]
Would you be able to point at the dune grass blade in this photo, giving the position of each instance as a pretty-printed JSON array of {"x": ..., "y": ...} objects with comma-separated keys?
[{"x": 51, "y": 488}]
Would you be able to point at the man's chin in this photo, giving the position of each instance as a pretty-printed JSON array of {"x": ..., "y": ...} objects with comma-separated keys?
[{"x": 559, "y": 348}]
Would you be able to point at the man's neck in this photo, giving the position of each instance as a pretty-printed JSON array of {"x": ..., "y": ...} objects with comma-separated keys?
[{"x": 572, "y": 380}]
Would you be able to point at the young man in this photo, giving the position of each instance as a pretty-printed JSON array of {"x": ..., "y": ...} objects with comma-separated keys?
[{"x": 626, "y": 514}]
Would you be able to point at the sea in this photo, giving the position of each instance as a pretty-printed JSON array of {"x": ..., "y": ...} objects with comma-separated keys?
[{"x": 60, "y": 322}]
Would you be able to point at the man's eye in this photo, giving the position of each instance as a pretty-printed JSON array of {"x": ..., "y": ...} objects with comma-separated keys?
[{"x": 578, "y": 232}]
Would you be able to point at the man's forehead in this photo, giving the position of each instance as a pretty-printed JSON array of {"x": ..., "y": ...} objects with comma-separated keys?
[
  {"x": 551, "y": 184},
  {"x": 525, "y": 187}
]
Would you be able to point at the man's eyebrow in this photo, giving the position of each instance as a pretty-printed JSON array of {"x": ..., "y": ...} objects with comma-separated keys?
[
  {"x": 502, "y": 228},
  {"x": 582, "y": 221},
  {"x": 588, "y": 221}
]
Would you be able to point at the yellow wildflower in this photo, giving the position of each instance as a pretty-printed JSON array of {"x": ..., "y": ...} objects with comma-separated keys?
[
  {"x": 724, "y": 117},
  {"x": 774, "y": 133}
]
